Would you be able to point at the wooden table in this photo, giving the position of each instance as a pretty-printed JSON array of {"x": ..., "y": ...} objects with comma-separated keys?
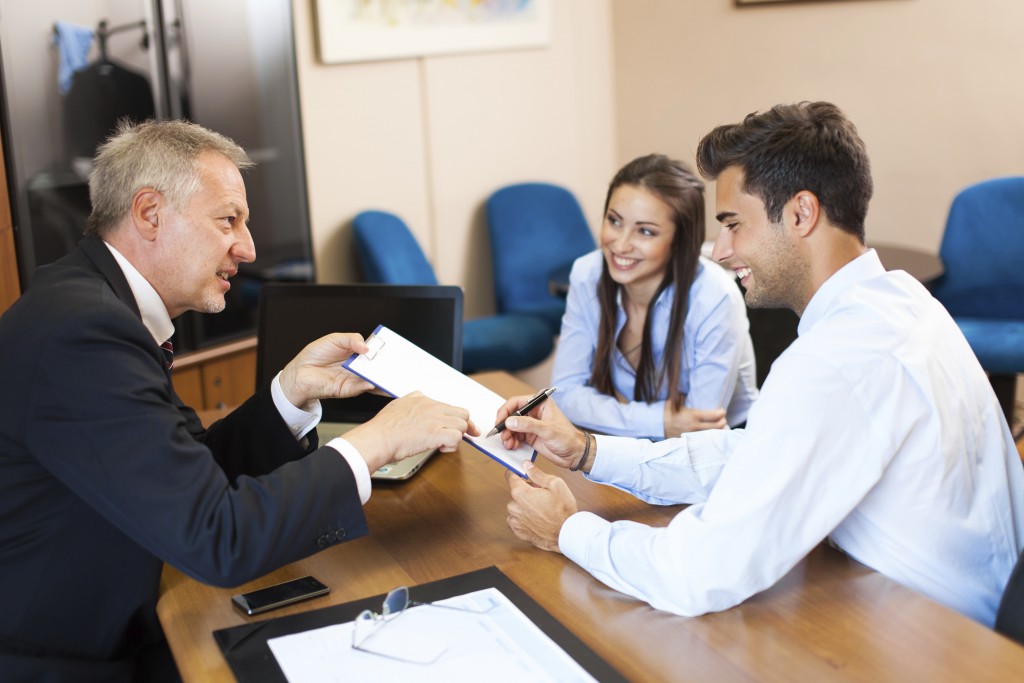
[{"x": 828, "y": 619}]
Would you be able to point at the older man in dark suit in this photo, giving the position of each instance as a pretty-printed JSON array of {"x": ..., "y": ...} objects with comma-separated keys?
[{"x": 105, "y": 474}]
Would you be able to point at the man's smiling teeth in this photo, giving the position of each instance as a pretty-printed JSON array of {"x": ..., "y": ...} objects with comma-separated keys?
[
  {"x": 742, "y": 272},
  {"x": 623, "y": 262}
]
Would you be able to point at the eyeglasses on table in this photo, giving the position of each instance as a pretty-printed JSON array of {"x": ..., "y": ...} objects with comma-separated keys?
[{"x": 368, "y": 624}]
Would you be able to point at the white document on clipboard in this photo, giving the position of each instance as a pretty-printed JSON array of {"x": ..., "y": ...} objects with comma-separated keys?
[
  {"x": 397, "y": 366},
  {"x": 500, "y": 645}
]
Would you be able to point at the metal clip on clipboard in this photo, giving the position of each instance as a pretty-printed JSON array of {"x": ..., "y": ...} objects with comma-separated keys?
[{"x": 376, "y": 344}]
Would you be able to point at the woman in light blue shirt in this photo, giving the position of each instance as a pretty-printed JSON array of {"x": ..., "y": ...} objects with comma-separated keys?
[{"x": 636, "y": 358}]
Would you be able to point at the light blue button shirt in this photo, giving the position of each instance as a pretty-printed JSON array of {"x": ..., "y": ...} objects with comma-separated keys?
[
  {"x": 716, "y": 366},
  {"x": 876, "y": 428}
]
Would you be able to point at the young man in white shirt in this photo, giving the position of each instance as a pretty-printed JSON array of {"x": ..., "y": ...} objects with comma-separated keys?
[{"x": 876, "y": 428}]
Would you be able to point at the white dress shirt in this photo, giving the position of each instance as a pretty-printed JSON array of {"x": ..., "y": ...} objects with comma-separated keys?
[
  {"x": 716, "y": 368},
  {"x": 877, "y": 428},
  {"x": 158, "y": 321}
]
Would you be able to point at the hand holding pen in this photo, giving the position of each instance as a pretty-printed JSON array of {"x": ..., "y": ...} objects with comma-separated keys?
[
  {"x": 546, "y": 429},
  {"x": 537, "y": 399}
]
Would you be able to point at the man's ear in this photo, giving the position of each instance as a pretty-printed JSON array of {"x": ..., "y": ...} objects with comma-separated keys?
[
  {"x": 147, "y": 205},
  {"x": 806, "y": 211}
]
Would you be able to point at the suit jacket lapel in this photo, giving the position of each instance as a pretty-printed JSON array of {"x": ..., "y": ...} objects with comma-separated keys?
[
  {"x": 97, "y": 253},
  {"x": 98, "y": 256}
]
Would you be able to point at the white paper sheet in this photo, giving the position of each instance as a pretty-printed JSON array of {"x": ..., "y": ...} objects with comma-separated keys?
[
  {"x": 498, "y": 646},
  {"x": 399, "y": 367}
]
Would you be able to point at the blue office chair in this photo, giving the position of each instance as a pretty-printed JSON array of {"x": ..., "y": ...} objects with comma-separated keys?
[
  {"x": 537, "y": 230},
  {"x": 389, "y": 254},
  {"x": 982, "y": 251}
]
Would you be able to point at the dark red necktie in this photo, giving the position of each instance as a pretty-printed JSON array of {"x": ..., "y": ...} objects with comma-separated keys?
[{"x": 168, "y": 348}]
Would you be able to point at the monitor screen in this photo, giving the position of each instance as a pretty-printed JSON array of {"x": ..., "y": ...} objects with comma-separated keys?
[{"x": 293, "y": 315}]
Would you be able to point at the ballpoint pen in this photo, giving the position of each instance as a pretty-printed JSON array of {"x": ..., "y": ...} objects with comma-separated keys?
[{"x": 539, "y": 398}]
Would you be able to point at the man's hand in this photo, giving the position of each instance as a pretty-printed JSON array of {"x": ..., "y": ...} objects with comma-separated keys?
[
  {"x": 538, "y": 507},
  {"x": 317, "y": 372},
  {"x": 546, "y": 429},
  {"x": 692, "y": 420},
  {"x": 410, "y": 425}
]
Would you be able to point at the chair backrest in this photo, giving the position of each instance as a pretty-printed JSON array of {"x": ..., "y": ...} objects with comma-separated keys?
[
  {"x": 388, "y": 252},
  {"x": 982, "y": 250},
  {"x": 1010, "y": 618},
  {"x": 535, "y": 229}
]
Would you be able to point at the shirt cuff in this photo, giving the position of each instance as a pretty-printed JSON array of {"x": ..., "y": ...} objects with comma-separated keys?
[
  {"x": 612, "y": 453},
  {"x": 299, "y": 421},
  {"x": 575, "y": 535},
  {"x": 649, "y": 419},
  {"x": 356, "y": 464}
]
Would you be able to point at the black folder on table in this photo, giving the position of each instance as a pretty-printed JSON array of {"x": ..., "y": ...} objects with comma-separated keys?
[{"x": 246, "y": 650}]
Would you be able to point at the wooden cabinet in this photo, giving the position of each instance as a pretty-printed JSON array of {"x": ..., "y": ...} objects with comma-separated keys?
[
  {"x": 188, "y": 382},
  {"x": 9, "y": 285},
  {"x": 222, "y": 376}
]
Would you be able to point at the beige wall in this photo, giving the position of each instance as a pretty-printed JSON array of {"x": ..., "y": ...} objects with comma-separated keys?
[
  {"x": 934, "y": 86},
  {"x": 431, "y": 138}
]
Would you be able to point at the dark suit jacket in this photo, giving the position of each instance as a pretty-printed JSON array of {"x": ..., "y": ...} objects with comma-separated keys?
[
  {"x": 101, "y": 94},
  {"x": 105, "y": 475}
]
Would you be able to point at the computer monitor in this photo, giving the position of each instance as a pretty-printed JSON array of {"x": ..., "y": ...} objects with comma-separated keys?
[{"x": 294, "y": 314}]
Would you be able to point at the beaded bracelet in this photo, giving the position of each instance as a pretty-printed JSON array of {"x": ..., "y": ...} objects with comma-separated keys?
[{"x": 586, "y": 452}]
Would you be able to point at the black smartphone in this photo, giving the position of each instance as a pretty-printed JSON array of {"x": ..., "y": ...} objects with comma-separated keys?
[{"x": 279, "y": 595}]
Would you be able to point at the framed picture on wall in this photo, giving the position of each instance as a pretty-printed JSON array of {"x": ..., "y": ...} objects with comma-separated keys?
[
  {"x": 371, "y": 30},
  {"x": 762, "y": 2}
]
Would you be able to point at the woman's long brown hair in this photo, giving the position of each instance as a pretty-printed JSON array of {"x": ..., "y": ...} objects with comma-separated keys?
[{"x": 673, "y": 183}]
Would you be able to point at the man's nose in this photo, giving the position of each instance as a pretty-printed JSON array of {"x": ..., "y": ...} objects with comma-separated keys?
[
  {"x": 722, "y": 250},
  {"x": 244, "y": 249}
]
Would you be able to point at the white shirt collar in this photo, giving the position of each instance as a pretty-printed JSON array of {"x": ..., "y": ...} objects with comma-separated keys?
[
  {"x": 863, "y": 267},
  {"x": 151, "y": 306}
]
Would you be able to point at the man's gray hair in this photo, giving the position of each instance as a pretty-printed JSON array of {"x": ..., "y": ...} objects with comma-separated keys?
[{"x": 158, "y": 154}]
